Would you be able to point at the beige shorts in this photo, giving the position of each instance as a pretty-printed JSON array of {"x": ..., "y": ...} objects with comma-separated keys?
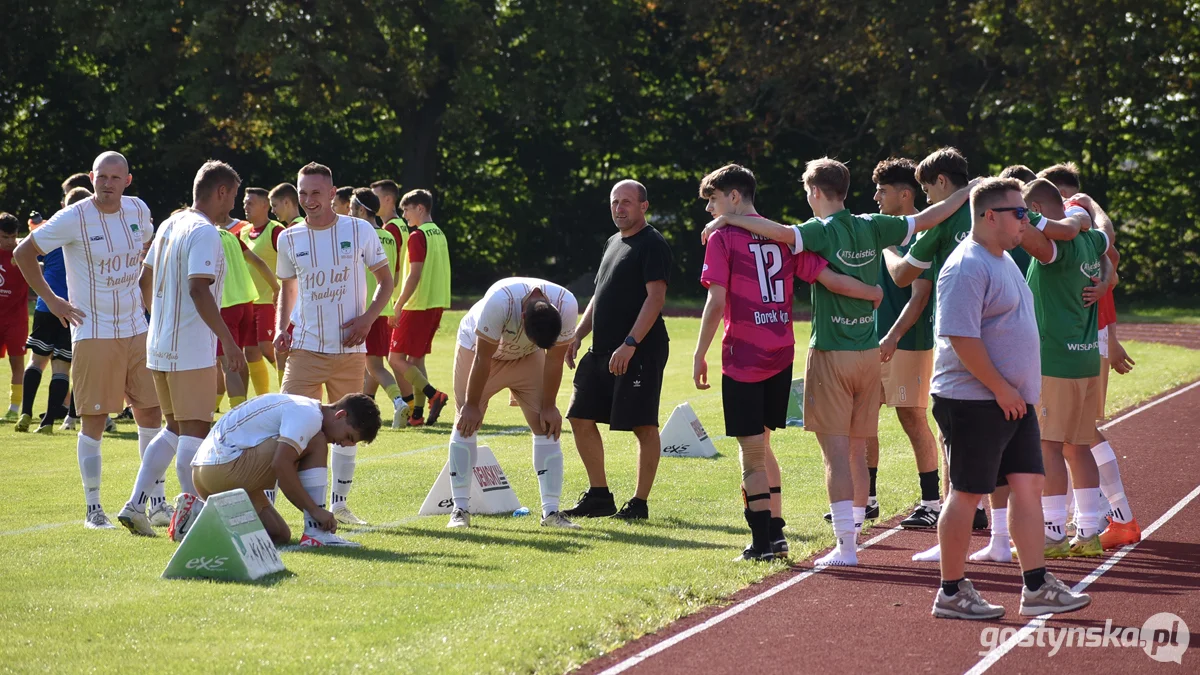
[
  {"x": 521, "y": 377},
  {"x": 187, "y": 395},
  {"x": 1067, "y": 411},
  {"x": 905, "y": 379},
  {"x": 841, "y": 393},
  {"x": 306, "y": 371},
  {"x": 253, "y": 471},
  {"x": 107, "y": 372}
]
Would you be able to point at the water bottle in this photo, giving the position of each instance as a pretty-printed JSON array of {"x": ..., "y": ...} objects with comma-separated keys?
[{"x": 521, "y": 512}]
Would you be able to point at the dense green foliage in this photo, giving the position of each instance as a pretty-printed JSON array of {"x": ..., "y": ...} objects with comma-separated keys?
[{"x": 521, "y": 113}]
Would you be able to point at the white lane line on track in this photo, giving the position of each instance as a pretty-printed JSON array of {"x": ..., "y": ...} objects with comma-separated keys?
[
  {"x": 729, "y": 613},
  {"x": 39, "y": 528},
  {"x": 750, "y": 602},
  {"x": 996, "y": 654}
]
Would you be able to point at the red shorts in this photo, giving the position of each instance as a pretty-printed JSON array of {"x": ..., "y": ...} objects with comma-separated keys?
[
  {"x": 377, "y": 339},
  {"x": 240, "y": 321},
  {"x": 13, "y": 335},
  {"x": 414, "y": 334},
  {"x": 264, "y": 323}
]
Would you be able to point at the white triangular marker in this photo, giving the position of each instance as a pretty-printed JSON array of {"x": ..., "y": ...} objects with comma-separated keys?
[
  {"x": 684, "y": 436},
  {"x": 490, "y": 491}
]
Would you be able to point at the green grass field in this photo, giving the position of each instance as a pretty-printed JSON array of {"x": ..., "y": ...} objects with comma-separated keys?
[{"x": 504, "y": 596}]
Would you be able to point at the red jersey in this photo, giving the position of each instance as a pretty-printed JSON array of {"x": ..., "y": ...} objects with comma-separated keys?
[
  {"x": 757, "y": 276},
  {"x": 14, "y": 291}
]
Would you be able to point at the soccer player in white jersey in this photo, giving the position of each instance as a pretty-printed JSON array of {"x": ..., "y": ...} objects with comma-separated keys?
[
  {"x": 515, "y": 338},
  {"x": 284, "y": 438},
  {"x": 103, "y": 240},
  {"x": 322, "y": 269},
  {"x": 183, "y": 275}
]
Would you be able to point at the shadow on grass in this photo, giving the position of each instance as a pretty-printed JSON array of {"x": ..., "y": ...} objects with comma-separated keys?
[
  {"x": 269, "y": 580},
  {"x": 385, "y": 555},
  {"x": 475, "y": 536}
]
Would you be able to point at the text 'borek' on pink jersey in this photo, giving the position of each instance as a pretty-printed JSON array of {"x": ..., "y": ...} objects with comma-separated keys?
[{"x": 757, "y": 276}]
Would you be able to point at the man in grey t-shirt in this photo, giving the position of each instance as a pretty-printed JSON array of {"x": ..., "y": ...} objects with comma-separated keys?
[{"x": 986, "y": 380}]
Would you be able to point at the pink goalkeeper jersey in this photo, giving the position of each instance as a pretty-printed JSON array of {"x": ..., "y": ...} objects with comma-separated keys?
[{"x": 757, "y": 276}]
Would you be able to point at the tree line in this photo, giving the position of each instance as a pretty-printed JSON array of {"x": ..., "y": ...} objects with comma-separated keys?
[{"x": 520, "y": 114}]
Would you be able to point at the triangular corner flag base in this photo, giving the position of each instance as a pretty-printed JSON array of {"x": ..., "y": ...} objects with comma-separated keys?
[
  {"x": 227, "y": 542},
  {"x": 684, "y": 436},
  {"x": 490, "y": 491},
  {"x": 795, "y": 414}
]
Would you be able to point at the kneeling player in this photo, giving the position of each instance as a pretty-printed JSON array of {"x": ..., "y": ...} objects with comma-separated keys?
[
  {"x": 284, "y": 438},
  {"x": 515, "y": 338},
  {"x": 749, "y": 281}
]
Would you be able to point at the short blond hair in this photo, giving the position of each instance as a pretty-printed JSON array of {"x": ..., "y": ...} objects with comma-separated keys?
[{"x": 829, "y": 176}]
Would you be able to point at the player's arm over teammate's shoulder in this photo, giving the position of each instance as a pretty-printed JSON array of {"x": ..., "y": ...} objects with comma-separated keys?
[{"x": 849, "y": 286}]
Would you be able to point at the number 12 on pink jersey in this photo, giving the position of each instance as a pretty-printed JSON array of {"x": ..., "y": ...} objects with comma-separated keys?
[{"x": 769, "y": 260}]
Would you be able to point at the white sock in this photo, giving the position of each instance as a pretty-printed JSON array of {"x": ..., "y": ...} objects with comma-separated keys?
[
  {"x": 341, "y": 465},
  {"x": 860, "y": 517},
  {"x": 1087, "y": 520},
  {"x": 88, "y": 452},
  {"x": 1110, "y": 482},
  {"x": 873, "y": 500},
  {"x": 548, "y": 463},
  {"x": 314, "y": 480},
  {"x": 155, "y": 462},
  {"x": 185, "y": 452},
  {"x": 14, "y": 408},
  {"x": 1054, "y": 511},
  {"x": 998, "y": 548},
  {"x": 929, "y": 555},
  {"x": 146, "y": 436},
  {"x": 934, "y": 505},
  {"x": 463, "y": 454},
  {"x": 271, "y": 493},
  {"x": 846, "y": 551}
]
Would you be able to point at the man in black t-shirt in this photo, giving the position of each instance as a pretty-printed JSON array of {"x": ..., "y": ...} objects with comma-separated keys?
[{"x": 619, "y": 379}]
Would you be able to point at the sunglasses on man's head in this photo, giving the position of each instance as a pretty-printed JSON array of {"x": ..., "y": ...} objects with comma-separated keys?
[{"x": 1019, "y": 211}]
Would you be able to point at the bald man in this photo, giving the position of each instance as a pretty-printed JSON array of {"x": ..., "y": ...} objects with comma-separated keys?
[
  {"x": 104, "y": 239},
  {"x": 619, "y": 379}
]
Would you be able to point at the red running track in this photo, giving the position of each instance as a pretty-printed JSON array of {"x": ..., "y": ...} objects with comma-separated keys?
[{"x": 876, "y": 617}]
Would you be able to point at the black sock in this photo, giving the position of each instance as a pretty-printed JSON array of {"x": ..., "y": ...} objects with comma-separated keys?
[
  {"x": 31, "y": 382},
  {"x": 418, "y": 411},
  {"x": 929, "y": 485},
  {"x": 71, "y": 408},
  {"x": 777, "y": 525},
  {"x": 59, "y": 384},
  {"x": 429, "y": 391},
  {"x": 760, "y": 529},
  {"x": 874, "y": 471},
  {"x": 1034, "y": 578},
  {"x": 601, "y": 491},
  {"x": 636, "y": 500},
  {"x": 407, "y": 399},
  {"x": 951, "y": 587}
]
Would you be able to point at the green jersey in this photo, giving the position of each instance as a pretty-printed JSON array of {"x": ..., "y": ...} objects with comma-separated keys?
[
  {"x": 934, "y": 246},
  {"x": 852, "y": 245},
  {"x": 1068, "y": 330},
  {"x": 919, "y": 338},
  {"x": 389, "y": 249},
  {"x": 239, "y": 285}
]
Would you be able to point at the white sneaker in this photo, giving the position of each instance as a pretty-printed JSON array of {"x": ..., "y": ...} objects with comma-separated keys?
[
  {"x": 1053, "y": 597},
  {"x": 321, "y": 538},
  {"x": 160, "y": 516},
  {"x": 459, "y": 518},
  {"x": 400, "y": 416},
  {"x": 69, "y": 424},
  {"x": 135, "y": 521},
  {"x": 96, "y": 520},
  {"x": 345, "y": 516},
  {"x": 557, "y": 519},
  {"x": 110, "y": 425},
  {"x": 183, "y": 517}
]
